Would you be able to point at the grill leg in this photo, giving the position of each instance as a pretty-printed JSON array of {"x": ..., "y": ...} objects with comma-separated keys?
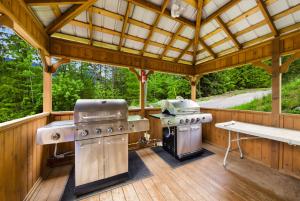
[
  {"x": 238, "y": 143},
  {"x": 228, "y": 148}
]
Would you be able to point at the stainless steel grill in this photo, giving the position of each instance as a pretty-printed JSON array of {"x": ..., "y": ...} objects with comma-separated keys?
[
  {"x": 182, "y": 127},
  {"x": 100, "y": 131}
]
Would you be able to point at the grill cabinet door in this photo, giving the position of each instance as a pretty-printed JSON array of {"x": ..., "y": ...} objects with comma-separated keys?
[
  {"x": 89, "y": 161},
  {"x": 183, "y": 140},
  {"x": 196, "y": 138},
  {"x": 116, "y": 155}
]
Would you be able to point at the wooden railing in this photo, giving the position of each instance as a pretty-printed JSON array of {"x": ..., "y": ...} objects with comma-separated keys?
[
  {"x": 285, "y": 157},
  {"x": 22, "y": 161}
]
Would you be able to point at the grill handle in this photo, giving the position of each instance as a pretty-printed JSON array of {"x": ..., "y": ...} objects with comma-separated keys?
[{"x": 100, "y": 118}]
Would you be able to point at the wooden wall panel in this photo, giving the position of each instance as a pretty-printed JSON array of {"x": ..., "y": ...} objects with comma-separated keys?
[
  {"x": 259, "y": 150},
  {"x": 22, "y": 160}
]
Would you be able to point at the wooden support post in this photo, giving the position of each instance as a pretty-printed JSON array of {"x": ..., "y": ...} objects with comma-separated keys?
[
  {"x": 142, "y": 98},
  {"x": 193, "y": 81},
  {"x": 276, "y": 98},
  {"x": 47, "y": 83}
]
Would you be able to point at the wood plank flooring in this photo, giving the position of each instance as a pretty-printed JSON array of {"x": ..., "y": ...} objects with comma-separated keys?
[{"x": 204, "y": 179}]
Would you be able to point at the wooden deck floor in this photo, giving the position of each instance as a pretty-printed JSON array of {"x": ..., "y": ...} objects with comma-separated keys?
[{"x": 204, "y": 179}]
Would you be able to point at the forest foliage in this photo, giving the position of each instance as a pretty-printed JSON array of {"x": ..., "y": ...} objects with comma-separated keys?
[{"x": 21, "y": 81}]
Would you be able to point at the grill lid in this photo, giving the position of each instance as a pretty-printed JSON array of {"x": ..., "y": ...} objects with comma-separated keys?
[
  {"x": 180, "y": 106},
  {"x": 92, "y": 110}
]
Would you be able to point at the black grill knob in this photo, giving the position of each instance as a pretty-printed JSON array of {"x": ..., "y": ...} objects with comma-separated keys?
[
  {"x": 84, "y": 133},
  {"x": 187, "y": 121},
  {"x": 192, "y": 120},
  {"x": 121, "y": 128},
  {"x": 110, "y": 130},
  {"x": 98, "y": 131},
  {"x": 198, "y": 119},
  {"x": 181, "y": 121}
]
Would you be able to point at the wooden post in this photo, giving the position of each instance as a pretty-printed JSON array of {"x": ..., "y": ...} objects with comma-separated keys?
[
  {"x": 193, "y": 91},
  {"x": 47, "y": 83},
  {"x": 142, "y": 97},
  {"x": 276, "y": 98}
]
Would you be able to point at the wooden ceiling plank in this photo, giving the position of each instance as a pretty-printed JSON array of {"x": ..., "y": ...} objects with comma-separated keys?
[
  {"x": 197, "y": 29},
  {"x": 173, "y": 39},
  {"x": 265, "y": 12},
  {"x": 243, "y": 16},
  {"x": 286, "y": 12},
  {"x": 53, "y": 2},
  {"x": 251, "y": 28},
  {"x": 184, "y": 51},
  {"x": 66, "y": 17},
  {"x": 228, "y": 33},
  {"x": 163, "y": 8},
  {"x": 128, "y": 10}
]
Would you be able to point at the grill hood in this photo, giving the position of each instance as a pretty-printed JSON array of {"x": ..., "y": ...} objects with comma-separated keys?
[
  {"x": 180, "y": 106},
  {"x": 93, "y": 110}
]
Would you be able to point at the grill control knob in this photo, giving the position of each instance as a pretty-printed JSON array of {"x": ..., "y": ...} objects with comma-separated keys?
[
  {"x": 192, "y": 120},
  {"x": 187, "y": 121},
  {"x": 181, "y": 121},
  {"x": 121, "y": 128},
  {"x": 110, "y": 130},
  {"x": 83, "y": 133},
  {"x": 198, "y": 119},
  {"x": 98, "y": 131},
  {"x": 55, "y": 136}
]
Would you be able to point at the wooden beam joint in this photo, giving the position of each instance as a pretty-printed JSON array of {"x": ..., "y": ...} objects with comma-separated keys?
[{"x": 53, "y": 68}]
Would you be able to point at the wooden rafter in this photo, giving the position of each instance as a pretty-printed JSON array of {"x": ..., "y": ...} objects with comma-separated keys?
[
  {"x": 243, "y": 16},
  {"x": 167, "y": 13},
  {"x": 112, "y": 32},
  {"x": 91, "y": 31},
  {"x": 53, "y": 2},
  {"x": 197, "y": 28},
  {"x": 221, "y": 10},
  {"x": 208, "y": 49},
  {"x": 184, "y": 51},
  {"x": 228, "y": 33},
  {"x": 173, "y": 39},
  {"x": 159, "y": 15},
  {"x": 267, "y": 16},
  {"x": 56, "y": 11},
  {"x": 250, "y": 28},
  {"x": 129, "y": 5},
  {"x": 70, "y": 14}
]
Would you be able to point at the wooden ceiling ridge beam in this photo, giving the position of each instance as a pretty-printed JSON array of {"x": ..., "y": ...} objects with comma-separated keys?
[
  {"x": 66, "y": 17},
  {"x": 171, "y": 42},
  {"x": 53, "y": 2},
  {"x": 167, "y": 13},
  {"x": 197, "y": 29},
  {"x": 128, "y": 10},
  {"x": 184, "y": 51},
  {"x": 263, "y": 8},
  {"x": 163, "y": 8},
  {"x": 228, "y": 33}
]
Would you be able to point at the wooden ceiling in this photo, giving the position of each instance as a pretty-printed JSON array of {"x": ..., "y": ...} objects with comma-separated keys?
[{"x": 191, "y": 40}]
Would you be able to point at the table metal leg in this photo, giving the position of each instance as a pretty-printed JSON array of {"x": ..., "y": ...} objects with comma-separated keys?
[
  {"x": 228, "y": 148},
  {"x": 238, "y": 143}
]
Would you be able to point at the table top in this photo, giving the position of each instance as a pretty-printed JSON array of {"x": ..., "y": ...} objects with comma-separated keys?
[{"x": 289, "y": 136}]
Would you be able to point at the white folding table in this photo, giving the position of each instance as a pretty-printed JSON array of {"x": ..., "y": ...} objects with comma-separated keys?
[{"x": 292, "y": 137}]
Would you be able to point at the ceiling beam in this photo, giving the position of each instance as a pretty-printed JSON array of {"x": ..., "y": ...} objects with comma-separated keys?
[
  {"x": 53, "y": 2},
  {"x": 76, "y": 51},
  {"x": 163, "y": 8},
  {"x": 66, "y": 17},
  {"x": 263, "y": 8},
  {"x": 228, "y": 33},
  {"x": 184, "y": 51},
  {"x": 197, "y": 29},
  {"x": 157, "y": 9},
  {"x": 128, "y": 10},
  {"x": 56, "y": 11},
  {"x": 173, "y": 39}
]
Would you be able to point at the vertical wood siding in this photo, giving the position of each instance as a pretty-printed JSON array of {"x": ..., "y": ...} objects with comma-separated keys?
[{"x": 21, "y": 159}]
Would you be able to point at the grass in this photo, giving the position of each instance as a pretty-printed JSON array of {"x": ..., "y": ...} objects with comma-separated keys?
[{"x": 290, "y": 100}]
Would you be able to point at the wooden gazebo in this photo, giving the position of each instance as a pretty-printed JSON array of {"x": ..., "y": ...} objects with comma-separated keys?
[{"x": 208, "y": 36}]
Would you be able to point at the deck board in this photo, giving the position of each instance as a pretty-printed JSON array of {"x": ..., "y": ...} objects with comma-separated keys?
[{"x": 203, "y": 179}]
